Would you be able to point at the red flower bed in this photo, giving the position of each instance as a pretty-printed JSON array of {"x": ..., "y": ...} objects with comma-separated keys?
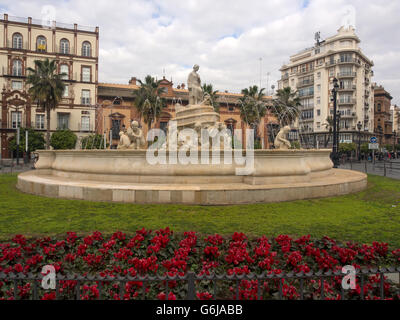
[{"x": 164, "y": 253}]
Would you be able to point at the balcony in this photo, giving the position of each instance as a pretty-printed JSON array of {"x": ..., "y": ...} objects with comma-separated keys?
[
  {"x": 348, "y": 115},
  {"x": 285, "y": 77},
  {"x": 23, "y": 46},
  {"x": 305, "y": 83},
  {"x": 346, "y": 101},
  {"x": 64, "y": 52},
  {"x": 6, "y": 73},
  {"x": 347, "y": 74},
  {"x": 301, "y": 72},
  {"x": 348, "y": 88},
  {"x": 350, "y": 60}
]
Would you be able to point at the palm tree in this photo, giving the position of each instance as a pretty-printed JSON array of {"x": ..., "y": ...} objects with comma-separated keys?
[
  {"x": 148, "y": 100},
  {"x": 252, "y": 106},
  {"x": 329, "y": 126},
  {"x": 286, "y": 106},
  {"x": 46, "y": 88},
  {"x": 208, "y": 88}
]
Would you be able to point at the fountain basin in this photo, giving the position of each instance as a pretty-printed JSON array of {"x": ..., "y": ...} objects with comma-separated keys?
[{"x": 127, "y": 176}]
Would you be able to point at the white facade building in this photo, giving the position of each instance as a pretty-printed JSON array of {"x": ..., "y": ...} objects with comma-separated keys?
[{"x": 311, "y": 73}]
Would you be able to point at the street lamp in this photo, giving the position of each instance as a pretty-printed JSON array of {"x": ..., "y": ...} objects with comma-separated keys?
[
  {"x": 335, "y": 146},
  {"x": 359, "y": 126}
]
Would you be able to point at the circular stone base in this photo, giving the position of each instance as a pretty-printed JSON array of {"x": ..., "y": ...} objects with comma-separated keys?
[{"x": 42, "y": 182}]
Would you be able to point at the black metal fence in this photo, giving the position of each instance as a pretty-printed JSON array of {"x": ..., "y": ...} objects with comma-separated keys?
[
  {"x": 384, "y": 168},
  {"x": 192, "y": 281}
]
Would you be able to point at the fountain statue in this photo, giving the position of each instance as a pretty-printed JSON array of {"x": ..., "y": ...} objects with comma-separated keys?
[
  {"x": 194, "y": 87},
  {"x": 281, "y": 141},
  {"x": 136, "y": 136},
  {"x": 191, "y": 165}
]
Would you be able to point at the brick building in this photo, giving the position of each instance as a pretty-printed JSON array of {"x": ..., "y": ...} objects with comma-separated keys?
[
  {"x": 383, "y": 120},
  {"x": 116, "y": 108}
]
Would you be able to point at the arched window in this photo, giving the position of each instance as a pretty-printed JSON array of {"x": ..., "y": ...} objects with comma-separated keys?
[
  {"x": 64, "y": 46},
  {"x": 64, "y": 69},
  {"x": 41, "y": 44},
  {"x": 86, "y": 49},
  {"x": 17, "y": 41},
  {"x": 17, "y": 67}
]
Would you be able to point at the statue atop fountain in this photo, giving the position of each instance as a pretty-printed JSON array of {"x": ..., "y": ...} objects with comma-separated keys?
[{"x": 194, "y": 87}]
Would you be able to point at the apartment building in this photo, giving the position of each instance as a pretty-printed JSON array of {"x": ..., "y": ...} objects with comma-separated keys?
[
  {"x": 311, "y": 73},
  {"x": 75, "y": 49},
  {"x": 117, "y": 109},
  {"x": 383, "y": 121}
]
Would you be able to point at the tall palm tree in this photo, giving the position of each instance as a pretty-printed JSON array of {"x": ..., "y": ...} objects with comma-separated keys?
[
  {"x": 46, "y": 88},
  {"x": 329, "y": 126},
  {"x": 149, "y": 101},
  {"x": 286, "y": 106},
  {"x": 252, "y": 106},
  {"x": 208, "y": 88}
]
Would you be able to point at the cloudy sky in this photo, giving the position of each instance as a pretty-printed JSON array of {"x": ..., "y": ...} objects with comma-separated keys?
[{"x": 226, "y": 38}]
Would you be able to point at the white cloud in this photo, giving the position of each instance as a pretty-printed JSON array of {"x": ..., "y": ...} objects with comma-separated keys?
[{"x": 226, "y": 37}]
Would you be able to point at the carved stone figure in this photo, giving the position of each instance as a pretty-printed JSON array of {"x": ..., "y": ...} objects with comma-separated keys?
[
  {"x": 124, "y": 141},
  {"x": 136, "y": 137},
  {"x": 194, "y": 86},
  {"x": 281, "y": 141}
]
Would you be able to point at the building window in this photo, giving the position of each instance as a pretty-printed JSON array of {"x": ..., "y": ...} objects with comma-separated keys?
[
  {"x": 65, "y": 93},
  {"x": 115, "y": 128},
  {"x": 86, "y": 77},
  {"x": 85, "y": 123},
  {"x": 379, "y": 107},
  {"x": 331, "y": 72},
  {"x": 86, "y": 97},
  {"x": 41, "y": 44},
  {"x": 318, "y": 100},
  {"x": 40, "y": 121},
  {"x": 318, "y": 88},
  {"x": 64, "y": 46},
  {"x": 17, "y": 41},
  {"x": 318, "y": 112},
  {"x": 16, "y": 85},
  {"x": 319, "y": 75},
  {"x": 17, "y": 68},
  {"x": 64, "y": 69},
  {"x": 16, "y": 117},
  {"x": 62, "y": 121},
  {"x": 86, "y": 49}
]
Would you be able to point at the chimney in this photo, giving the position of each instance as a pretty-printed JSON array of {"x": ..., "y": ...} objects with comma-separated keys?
[{"x": 133, "y": 81}]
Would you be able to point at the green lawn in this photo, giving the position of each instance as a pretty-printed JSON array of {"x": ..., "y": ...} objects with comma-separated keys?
[{"x": 372, "y": 215}]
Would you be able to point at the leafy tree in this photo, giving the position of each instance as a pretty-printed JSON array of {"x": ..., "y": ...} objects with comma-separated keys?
[
  {"x": 208, "y": 88},
  {"x": 149, "y": 101},
  {"x": 252, "y": 106},
  {"x": 365, "y": 148},
  {"x": 286, "y": 106},
  {"x": 347, "y": 147},
  {"x": 329, "y": 126},
  {"x": 389, "y": 147},
  {"x": 63, "y": 140},
  {"x": 46, "y": 88},
  {"x": 295, "y": 145},
  {"x": 93, "y": 141},
  {"x": 36, "y": 140}
]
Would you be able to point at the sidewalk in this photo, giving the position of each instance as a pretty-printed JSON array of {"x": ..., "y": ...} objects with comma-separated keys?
[{"x": 392, "y": 168}]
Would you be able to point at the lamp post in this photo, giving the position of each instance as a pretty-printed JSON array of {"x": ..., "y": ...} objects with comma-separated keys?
[
  {"x": 335, "y": 146},
  {"x": 359, "y": 125}
]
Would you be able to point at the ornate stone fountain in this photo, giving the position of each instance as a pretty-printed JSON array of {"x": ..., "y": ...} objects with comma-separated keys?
[{"x": 216, "y": 175}]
